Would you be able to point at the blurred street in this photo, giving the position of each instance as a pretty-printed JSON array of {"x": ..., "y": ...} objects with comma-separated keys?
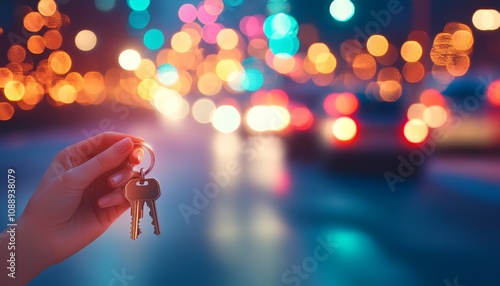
[{"x": 435, "y": 227}]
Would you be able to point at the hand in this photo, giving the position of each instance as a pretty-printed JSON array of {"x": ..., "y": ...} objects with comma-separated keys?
[{"x": 78, "y": 198}]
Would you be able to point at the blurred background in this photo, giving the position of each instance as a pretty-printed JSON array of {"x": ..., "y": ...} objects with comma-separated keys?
[{"x": 297, "y": 142}]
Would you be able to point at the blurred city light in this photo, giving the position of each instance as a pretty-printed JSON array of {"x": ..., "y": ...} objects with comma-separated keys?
[
  {"x": 226, "y": 119},
  {"x": 486, "y": 19},
  {"x": 416, "y": 131},
  {"x": 129, "y": 60},
  {"x": 342, "y": 10},
  {"x": 85, "y": 40},
  {"x": 344, "y": 129}
]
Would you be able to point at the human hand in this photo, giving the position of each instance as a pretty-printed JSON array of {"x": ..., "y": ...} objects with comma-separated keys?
[{"x": 78, "y": 198}]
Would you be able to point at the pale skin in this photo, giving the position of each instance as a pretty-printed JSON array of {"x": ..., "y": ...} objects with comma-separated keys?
[{"x": 79, "y": 197}]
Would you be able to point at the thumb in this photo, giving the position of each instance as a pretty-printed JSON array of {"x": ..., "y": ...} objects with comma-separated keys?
[{"x": 86, "y": 173}]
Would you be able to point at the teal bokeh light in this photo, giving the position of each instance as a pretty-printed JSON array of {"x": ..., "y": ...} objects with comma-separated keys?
[
  {"x": 252, "y": 62},
  {"x": 138, "y": 5},
  {"x": 168, "y": 74},
  {"x": 139, "y": 19},
  {"x": 252, "y": 79},
  {"x": 342, "y": 10},
  {"x": 278, "y": 6},
  {"x": 233, "y": 3},
  {"x": 286, "y": 45},
  {"x": 280, "y": 25},
  {"x": 154, "y": 39},
  {"x": 105, "y": 5}
]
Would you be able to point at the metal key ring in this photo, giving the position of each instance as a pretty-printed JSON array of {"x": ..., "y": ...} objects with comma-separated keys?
[{"x": 151, "y": 154}]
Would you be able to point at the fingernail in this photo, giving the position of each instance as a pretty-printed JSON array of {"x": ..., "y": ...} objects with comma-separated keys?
[
  {"x": 123, "y": 145},
  {"x": 117, "y": 178},
  {"x": 104, "y": 201}
]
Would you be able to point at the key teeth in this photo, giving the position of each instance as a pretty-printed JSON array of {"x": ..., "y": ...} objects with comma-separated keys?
[
  {"x": 151, "y": 214},
  {"x": 132, "y": 230}
]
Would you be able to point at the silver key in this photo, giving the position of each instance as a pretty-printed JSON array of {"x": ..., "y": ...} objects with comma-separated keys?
[{"x": 137, "y": 193}]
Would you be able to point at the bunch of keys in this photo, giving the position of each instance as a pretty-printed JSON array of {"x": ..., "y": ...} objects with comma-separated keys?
[{"x": 140, "y": 191}]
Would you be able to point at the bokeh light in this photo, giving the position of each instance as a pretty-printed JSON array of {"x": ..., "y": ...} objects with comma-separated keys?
[
  {"x": 6, "y": 111},
  {"x": 340, "y": 103},
  {"x": 33, "y": 22},
  {"x": 252, "y": 80},
  {"x": 209, "y": 84},
  {"x": 139, "y": 19},
  {"x": 416, "y": 131},
  {"x": 60, "y": 62},
  {"x": 486, "y": 19},
  {"x": 187, "y": 13},
  {"x": 416, "y": 111},
  {"x": 5, "y": 77},
  {"x": 85, "y": 40},
  {"x": 462, "y": 40},
  {"x": 181, "y": 42},
  {"x": 153, "y": 39},
  {"x": 14, "y": 90},
  {"x": 105, "y": 5},
  {"x": 227, "y": 39},
  {"x": 413, "y": 72},
  {"x": 493, "y": 92},
  {"x": 204, "y": 110},
  {"x": 129, "y": 59},
  {"x": 301, "y": 118},
  {"x": 226, "y": 119},
  {"x": 204, "y": 16},
  {"x": 435, "y": 116},
  {"x": 364, "y": 66},
  {"x": 138, "y": 5},
  {"x": 344, "y": 129},
  {"x": 36, "y": 44},
  {"x": 53, "y": 39},
  {"x": 411, "y": 51},
  {"x": 342, "y": 10},
  {"x": 47, "y": 7},
  {"x": 377, "y": 45},
  {"x": 16, "y": 54},
  {"x": 168, "y": 74},
  {"x": 263, "y": 118},
  {"x": 170, "y": 103}
]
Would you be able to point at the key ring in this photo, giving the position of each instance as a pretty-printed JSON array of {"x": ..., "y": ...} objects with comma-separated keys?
[{"x": 143, "y": 173}]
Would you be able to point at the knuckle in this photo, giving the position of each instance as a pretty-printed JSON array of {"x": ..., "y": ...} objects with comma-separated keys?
[{"x": 102, "y": 159}]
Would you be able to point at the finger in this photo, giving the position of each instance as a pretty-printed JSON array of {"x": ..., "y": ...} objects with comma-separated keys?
[
  {"x": 136, "y": 156},
  {"x": 82, "y": 151},
  {"x": 120, "y": 178},
  {"x": 113, "y": 199},
  {"x": 110, "y": 158}
]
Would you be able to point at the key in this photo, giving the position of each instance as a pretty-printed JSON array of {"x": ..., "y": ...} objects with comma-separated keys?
[{"x": 138, "y": 194}]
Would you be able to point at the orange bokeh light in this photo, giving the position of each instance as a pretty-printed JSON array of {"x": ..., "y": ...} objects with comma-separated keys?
[
  {"x": 33, "y": 22},
  {"x": 432, "y": 97},
  {"x": 6, "y": 111},
  {"x": 60, "y": 62},
  {"x": 16, "y": 54}
]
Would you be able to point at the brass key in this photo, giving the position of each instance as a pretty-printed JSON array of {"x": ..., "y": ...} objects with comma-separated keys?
[{"x": 138, "y": 191}]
